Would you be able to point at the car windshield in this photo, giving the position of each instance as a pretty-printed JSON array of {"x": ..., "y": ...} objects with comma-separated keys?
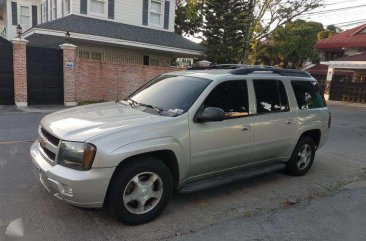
[{"x": 172, "y": 95}]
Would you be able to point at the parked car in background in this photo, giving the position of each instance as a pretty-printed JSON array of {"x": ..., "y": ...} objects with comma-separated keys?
[{"x": 176, "y": 130}]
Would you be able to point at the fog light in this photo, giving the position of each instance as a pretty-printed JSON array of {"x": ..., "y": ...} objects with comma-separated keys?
[{"x": 67, "y": 189}]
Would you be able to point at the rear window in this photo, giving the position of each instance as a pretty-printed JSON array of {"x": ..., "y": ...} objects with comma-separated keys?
[
  {"x": 308, "y": 95},
  {"x": 271, "y": 96}
]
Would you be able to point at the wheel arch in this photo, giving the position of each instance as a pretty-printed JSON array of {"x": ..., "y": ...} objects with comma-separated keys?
[
  {"x": 314, "y": 134},
  {"x": 168, "y": 157}
]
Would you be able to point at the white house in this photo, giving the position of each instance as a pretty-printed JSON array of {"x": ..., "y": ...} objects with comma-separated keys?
[{"x": 128, "y": 31}]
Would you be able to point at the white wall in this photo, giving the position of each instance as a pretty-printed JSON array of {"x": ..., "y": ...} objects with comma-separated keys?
[
  {"x": 129, "y": 12},
  {"x": 11, "y": 29},
  {"x": 59, "y": 14}
]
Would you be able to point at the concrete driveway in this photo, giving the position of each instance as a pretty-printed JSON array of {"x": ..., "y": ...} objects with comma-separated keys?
[{"x": 270, "y": 207}]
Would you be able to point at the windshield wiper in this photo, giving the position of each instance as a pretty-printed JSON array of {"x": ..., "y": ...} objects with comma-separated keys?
[
  {"x": 134, "y": 103},
  {"x": 157, "y": 109}
]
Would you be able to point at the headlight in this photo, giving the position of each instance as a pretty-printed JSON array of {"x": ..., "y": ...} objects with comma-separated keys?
[{"x": 76, "y": 155}]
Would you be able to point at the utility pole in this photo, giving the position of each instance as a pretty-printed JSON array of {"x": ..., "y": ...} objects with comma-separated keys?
[{"x": 249, "y": 30}]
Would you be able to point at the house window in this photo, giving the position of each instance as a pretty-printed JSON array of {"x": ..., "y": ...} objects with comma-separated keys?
[
  {"x": 156, "y": 11},
  {"x": 44, "y": 12},
  {"x": 66, "y": 4},
  {"x": 24, "y": 18},
  {"x": 97, "y": 6},
  {"x": 54, "y": 9}
]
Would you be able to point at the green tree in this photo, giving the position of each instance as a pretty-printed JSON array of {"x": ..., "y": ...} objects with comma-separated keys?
[
  {"x": 253, "y": 20},
  {"x": 290, "y": 46},
  {"x": 189, "y": 18},
  {"x": 223, "y": 30}
]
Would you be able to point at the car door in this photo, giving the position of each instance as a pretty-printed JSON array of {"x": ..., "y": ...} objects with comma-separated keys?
[
  {"x": 216, "y": 146},
  {"x": 275, "y": 124}
]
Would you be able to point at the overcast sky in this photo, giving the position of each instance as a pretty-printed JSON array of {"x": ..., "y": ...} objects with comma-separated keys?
[{"x": 350, "y": 13}]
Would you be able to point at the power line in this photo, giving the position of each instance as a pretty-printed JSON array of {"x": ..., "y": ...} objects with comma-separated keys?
[
  {"x": 329, "y": 4},
  {"x": 353, "y": 21},
  {"x": 336, "y": 9}
]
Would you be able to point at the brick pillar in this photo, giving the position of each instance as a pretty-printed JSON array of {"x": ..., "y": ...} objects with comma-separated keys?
[
  {"x": 69, "y": 74},
  {"x": 20, "y": 71}
]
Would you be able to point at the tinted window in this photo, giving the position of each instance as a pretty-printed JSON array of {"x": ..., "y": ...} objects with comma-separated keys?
[
  {"x": 232, "y": 97},
  {"x": 271, "y": 96},
  {"x": 173, "y": 94},
  {"x": 308, "y": 94}
]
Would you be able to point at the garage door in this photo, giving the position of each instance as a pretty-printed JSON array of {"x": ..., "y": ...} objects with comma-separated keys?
[
  {"x": 6, "y": 73},
  {"x": 45, "y": 76}
]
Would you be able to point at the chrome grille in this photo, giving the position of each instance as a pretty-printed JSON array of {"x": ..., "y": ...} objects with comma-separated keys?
[
  {"x": 50, "y": 138},
  {"x": 48, "y": 145}
]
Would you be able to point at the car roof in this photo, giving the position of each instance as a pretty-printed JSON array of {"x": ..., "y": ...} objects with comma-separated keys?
[{"x": 217, "y": 74}]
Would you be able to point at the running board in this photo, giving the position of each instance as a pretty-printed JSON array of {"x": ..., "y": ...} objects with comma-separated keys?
[{"x": 230, "y": 178}]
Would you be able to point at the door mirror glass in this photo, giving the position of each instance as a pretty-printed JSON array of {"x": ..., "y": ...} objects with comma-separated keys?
[{"x": 210, "y": 114}]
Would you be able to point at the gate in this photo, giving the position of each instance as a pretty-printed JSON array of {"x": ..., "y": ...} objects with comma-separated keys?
[
  {"x": 6, "y": 73},
  {"x": 346, "y": 90},
  {"x": 45, "y": 76}
]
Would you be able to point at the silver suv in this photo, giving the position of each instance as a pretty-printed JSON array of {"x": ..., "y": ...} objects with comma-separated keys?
[{"x": 177, "y": 130}]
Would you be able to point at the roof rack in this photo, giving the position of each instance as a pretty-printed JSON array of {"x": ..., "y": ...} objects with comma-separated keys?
[
  {"x": 283, "y": 72},
  {"x": 228, "y": 66}
]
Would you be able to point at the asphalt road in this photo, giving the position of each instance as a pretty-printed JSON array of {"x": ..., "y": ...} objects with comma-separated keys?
[{"x": 326, "y": 204}]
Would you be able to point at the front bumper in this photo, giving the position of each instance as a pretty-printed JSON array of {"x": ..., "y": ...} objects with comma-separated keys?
[{"x": 79, "y": 188}]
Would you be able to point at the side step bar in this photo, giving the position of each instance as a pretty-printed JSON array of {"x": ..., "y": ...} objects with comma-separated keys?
[{"x": 230, "y": 178}]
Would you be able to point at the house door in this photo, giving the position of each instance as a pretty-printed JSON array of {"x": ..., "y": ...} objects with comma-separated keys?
[{"x": 6, "y": 73}]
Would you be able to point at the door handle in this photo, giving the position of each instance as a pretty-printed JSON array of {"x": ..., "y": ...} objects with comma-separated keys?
[
  {"x": 290, "y": 122},
  {"x": 246, "y": 128}
]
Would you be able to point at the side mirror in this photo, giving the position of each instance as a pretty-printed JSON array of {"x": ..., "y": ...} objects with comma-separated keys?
[{"x": 211, "y": 114}]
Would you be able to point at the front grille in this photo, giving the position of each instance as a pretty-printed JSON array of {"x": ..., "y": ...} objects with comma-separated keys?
[
  {"x": 49, "y": 153},
  {"x": 50, "y": 138}
]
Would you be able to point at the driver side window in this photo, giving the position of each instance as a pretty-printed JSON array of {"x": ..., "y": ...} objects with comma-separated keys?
[{"x": 230, "y": 96}]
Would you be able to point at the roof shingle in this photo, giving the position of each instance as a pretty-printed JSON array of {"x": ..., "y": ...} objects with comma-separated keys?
[
  {"x": 104, "y": 28},
  {"x": 351, "y": 38}
]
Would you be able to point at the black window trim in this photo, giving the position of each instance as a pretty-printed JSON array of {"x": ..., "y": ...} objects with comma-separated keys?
[
  {"x": 200, "y": 109},
  {"x": 278, "y": 91},
  {"x": 321, "y": 90}
]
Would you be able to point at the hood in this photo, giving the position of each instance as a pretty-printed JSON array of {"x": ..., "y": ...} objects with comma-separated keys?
[{"x": 82, "y": 123}]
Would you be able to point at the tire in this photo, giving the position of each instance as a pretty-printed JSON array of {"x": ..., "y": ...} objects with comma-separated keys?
[
  {"x": 140, "y": 191},
  {"x": 301, "y": 161}
]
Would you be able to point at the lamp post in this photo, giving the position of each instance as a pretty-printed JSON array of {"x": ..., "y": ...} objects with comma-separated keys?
[
  {"x": 19, "y": 31},
  {"x": 67, "y": 34}
]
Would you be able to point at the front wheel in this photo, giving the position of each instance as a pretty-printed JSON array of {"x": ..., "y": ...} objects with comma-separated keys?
[
  {"x": 141, "y": 191},
  {"x": 302, "y": 157}
]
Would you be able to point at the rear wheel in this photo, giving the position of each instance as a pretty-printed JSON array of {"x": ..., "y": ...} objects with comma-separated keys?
[
  {"x": 302, "y": 157},
  {"x": 141, "y": 190}
]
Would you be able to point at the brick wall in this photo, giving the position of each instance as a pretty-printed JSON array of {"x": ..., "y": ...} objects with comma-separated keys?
[{"x": 104, "y": 81}]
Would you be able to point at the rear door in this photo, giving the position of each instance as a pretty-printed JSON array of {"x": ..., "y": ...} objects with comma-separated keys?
[{"x": 275, "y": 123}]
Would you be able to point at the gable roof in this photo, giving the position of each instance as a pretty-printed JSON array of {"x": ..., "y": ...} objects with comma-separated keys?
[
  {"x": 105, "y": 28},
  {"x": 355, "y": 37},
  {"x": 322, "y": 69},
  {"x": 357, "y": 57}
]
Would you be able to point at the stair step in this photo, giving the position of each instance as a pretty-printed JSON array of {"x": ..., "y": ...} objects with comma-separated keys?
[{"x": 230, "y": 178}]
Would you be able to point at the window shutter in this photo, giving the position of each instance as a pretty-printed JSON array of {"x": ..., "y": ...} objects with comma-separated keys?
[
  {"x": 14, "y": 13},
  {"x": 166, "y": 14},
  {"x": 111, "y": 9},
  {"x": 55, "y": 9},
  {"x": 47, "y": 13},
  {"x": 51, "y": 15},
  {"x": 34, "y": 15},
  {"x": 145, "y": 12},
  {"x": 84, "y": 6}
]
